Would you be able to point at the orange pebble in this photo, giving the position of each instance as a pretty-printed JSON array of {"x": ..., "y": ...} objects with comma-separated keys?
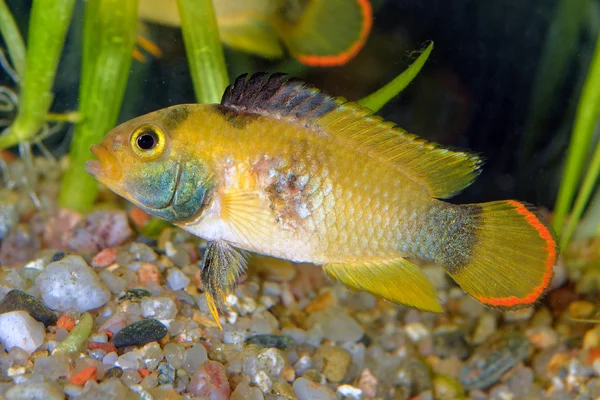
[
  {"x": 8, "y": 156},
  {"x": 86, "y": 374},
  {"x": 66, "y": 322},
  {"x": 144, "y": 372},
  {"x": 139, "y": 217},
  {"x": 104, "y": 258},
  {"x": 148, "y": 273},
  {"x": 593, "y": 355},
  {"x": 107, "y": 347}
]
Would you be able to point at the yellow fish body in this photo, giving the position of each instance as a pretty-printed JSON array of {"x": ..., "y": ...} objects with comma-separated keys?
[
  {"x": 315, "y": 32},
  {"x": 281, "y": 169}
]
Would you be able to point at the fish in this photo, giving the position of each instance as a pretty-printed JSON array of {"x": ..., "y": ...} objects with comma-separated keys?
[
  {"x": 321, "y": 33},
  {"x": 282, "y": 169}
]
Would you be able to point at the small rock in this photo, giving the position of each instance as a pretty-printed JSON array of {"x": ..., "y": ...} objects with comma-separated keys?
[
  {"x": 450, "y": 341},
  {"x": 581, "y": 309},
  {"x": 491, "y": 361},
  {"x": 105, "y": 258},
  {"x": 193, "y": 358},
  {"x": 542, "y": 337},
  {"x": 166, "y": 374},
  {"x": 114, "y": 372},
  {"x": 139, "y": 333},
  {"x": 34, "y": 391},
  {"x": 17, "y": 300},
  {"x": 51, "y": 367},
  {"x": 114, "y": 283},
  {"x": 210, "y": 382},
  {"x": 284, "y": 391},
  {"x": 158, "y": 307},
  {"x": 263, "y": 382},
  {"x": 521, "y": 314},
  {"x": 334, "y": 361},
  {"x": 271, "y": 361},
  {"x": 309, "y": 390},
  {"x": 9, "y": 216},
  {"x": 137, "y": 294},
  {"x": 152, "y": 355},
  {"x": 337, "y": 325},
  {"x": 243, "y": 391},
  {"x": 19, "y": 329},
  {"x": 71, "y": 284},
  {"x": 110, "y": 389},
  {"x": 173, "y": 354},
  {"x": 447, "y": 388},
  {"x": 176, "y": 279},
  {"x": 148, "y": 274},
  {"x": 486, "y": 326},
  {"x": 100, "y": 230},
  {"x": 282, "y": 342},
  {"x": 349, "y": 392}
]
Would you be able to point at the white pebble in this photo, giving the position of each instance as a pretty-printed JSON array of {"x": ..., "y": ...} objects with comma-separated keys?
[
  {"x": 110, "y": 359},
  {"x": 262, "y": 380},
  {"x": 19, "y": 329},
  {"x": 34, "y": 390},
  {"x": 194, "y": 357},
  {"x": 114, "y": 283},
  {"x": 158, "y": 307},
  {"x": 309, "y": 390},
  {"x": 177, "y": 279},
  {"x": 71, "y": 284},
  {"x": 349, "y": 391},
  {"x": 131, "y": 360}
]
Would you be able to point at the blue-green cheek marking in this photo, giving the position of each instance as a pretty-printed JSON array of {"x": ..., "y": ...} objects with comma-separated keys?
[{"x": 171, "y": 191}]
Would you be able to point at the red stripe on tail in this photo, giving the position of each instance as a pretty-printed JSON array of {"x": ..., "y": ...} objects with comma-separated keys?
[{"x": 551, "y": 249}]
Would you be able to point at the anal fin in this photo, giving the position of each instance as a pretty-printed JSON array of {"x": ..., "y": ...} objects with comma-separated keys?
[
  {"x": 223, "y": 264},
  {"x": 396, "y": 280}
]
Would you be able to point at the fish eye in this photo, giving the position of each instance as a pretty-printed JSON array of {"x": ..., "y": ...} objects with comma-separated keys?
[{"x": 148, "y": 141}]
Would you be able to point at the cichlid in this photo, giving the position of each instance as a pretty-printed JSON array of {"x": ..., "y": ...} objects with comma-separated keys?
[
  {"x": 282, "y": 169},
  {"x": 315, "y": 32}
]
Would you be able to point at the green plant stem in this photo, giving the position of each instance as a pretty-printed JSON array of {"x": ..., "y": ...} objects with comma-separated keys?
[
  {"x": 583, "y": 197},
  {"x": 48, "y": 26},
  {"x": 204, "y": 49},
  {"x": 108, "y": 39},
  {"x": 12, "y": 38},
  {"x": 586, "y": 118},
  {"x": 377, "y": 100},
  {"x": 75, "y": 341}
]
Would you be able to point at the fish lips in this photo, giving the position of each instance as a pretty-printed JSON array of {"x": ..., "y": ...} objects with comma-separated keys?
[{"x": 106, "y": 167}]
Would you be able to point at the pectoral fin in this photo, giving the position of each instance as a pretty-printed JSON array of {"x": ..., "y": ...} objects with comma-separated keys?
[
  {"x": 223, "y": 264},
  {"x": 396, "y": 280}
]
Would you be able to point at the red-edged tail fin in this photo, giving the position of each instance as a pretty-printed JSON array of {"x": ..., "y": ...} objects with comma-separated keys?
[{"x": 513, "y": 253}]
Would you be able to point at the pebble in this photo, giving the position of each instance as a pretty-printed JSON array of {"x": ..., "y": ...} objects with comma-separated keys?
[
  {"x": 105, "y": 258},
  {"x": 243, "y": 391},
  {"x": 19, "y": 329},
  {"x": 337, "y": 325},
  {"x": 486, "y": 326},
  {"x": 114, "y": 283},
  {"x": 492, "y": 360},
  {"x": 34, "y": 391},
  {"x": 158, "y": 307},
  {"x": 581, "y": 309},
  {"x": 308, "y": 390},
  {"x": 51, "y": 367},
  {"x": 173, "y": 354},
  {"x": 99, "y": 230},
  {"x": 176, "y": 279},
  {"x": 18, "y": 246},
  {"x": 139, "y": 333},
  {"x": 18, "y": 300},
  {"x": 543, "y": 337},
  {"x": 152, "y": 355},
  {"x": 449, "y": 341},
  {"x": 263, "y": 382},
  {"x": 210, "y": 382},
  {"x": 110, "y": 389},
  {"x": 282, "y": 342},
  {"x": 349, "y": 392},
  {"x": 521, "y": 314},
  {"x": 193, "y": 358},
  {"x": 271, "y": 361},
  {"x": 71, "y": 284},
  {"x": 333, "y": 361}
]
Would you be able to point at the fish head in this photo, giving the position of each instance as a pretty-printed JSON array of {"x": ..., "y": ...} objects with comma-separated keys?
[{"x": 146, "y": 161}]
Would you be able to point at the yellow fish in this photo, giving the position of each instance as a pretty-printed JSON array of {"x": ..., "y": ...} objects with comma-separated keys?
[
  {"x": 316, "y": 32},
  {"x": 282, "y": 169}
]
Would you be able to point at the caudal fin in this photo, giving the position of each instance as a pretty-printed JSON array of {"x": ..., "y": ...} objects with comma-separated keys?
[{"x": 511, "y": 261}]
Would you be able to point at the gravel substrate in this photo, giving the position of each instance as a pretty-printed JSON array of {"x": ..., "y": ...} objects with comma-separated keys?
[{"x": 91, "y": 309}]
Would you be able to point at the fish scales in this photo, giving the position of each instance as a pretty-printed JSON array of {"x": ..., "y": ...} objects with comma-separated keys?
[{"x": 282, "y": 169}]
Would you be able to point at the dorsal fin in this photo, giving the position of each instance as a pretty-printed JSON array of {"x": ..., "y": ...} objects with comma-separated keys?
[{"x": 441, "y": 171}]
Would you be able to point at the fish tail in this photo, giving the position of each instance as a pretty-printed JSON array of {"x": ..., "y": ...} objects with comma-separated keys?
[
  {"x": 328, "y": 32},
  {"x": 504, "y": 256}
]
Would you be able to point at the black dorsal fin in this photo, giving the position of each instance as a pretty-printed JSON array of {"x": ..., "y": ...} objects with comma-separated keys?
[{"x": 441, "y": 171}]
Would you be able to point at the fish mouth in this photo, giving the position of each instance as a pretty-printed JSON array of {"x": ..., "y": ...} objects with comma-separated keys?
[{"x": 106, "y": 167}]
